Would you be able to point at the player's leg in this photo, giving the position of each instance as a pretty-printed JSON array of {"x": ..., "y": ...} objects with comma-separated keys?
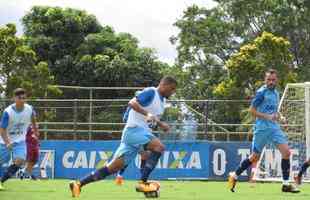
[
  {"x": 29, "y": 169},
  {"x": 156, "y": 149},
  {"x": 119, "y": 180},
  {"x": 260, "y": 139},
  {"x": 123, "y": 156},
  {"x": 302, "y": 170},
  {"x": 97, "y": 175},
  {"x": 19, "y": 156},
  {"x": 280, "y": 139},
  {"x": 31, "y": 159},
  {"x": 142, "y": 138},
  {"x": 244, "y": 165},
  {"x": 103, "y": 172},
  {"x": 144, "y": 156}
]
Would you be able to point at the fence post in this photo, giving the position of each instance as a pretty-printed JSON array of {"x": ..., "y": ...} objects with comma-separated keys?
[
  {"x": 90, "y": 114},
  {"x": 206, "y": 111},
  {"x": 75, "y": 118}
]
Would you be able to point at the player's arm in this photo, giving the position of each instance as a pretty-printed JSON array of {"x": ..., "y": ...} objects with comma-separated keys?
[
  {"x": 135, "y": 105},
  {"x": 3, "y": 129},
  {"x": 34, "y": 123},
  {"x": 5, "y": 137},
  {"x": 143, "y": 99},
  {"x": 261, "y": 115}
]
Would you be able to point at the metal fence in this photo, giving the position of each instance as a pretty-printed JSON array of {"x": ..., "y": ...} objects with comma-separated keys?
[{"x": 101, "y": 119}]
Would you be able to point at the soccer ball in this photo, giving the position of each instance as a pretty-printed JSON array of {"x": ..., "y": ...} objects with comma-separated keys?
[{"x": 153, "y": 194}]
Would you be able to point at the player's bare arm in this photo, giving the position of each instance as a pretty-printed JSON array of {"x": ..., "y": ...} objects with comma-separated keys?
[
  {"x": 134, "y": 104},
  {"x": 5, "y": 137},
  {"x": 255, "y": 113}
]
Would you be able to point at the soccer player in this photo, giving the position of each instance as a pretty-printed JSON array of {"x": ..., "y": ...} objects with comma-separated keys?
[
  {"x": 302, "y": 170},
  {"x": 32, "y": 143},
  {"x": 267, "y": 129},
  {"x": 15, "y": 121},
  {"x": 119, "y": 180},
  {"x": 144, "y": 113}
]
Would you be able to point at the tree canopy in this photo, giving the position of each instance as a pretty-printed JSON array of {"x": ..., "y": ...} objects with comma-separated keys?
[{"x": 209, "y": 38}]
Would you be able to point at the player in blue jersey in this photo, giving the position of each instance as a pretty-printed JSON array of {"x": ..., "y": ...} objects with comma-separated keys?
[
  {"x": 15, "y": 121},
  {"x": 264, "y": 107},
  {"x": 143, "y": 114}
]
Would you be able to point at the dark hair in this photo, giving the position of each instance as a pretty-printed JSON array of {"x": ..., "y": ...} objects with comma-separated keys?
[
  {"x": 19, "y": 91},
  {"x": 169, "y": 80},
  {"x": 271, "y": 71}
]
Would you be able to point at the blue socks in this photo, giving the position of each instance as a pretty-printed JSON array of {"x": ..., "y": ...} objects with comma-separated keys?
[
  {"x": 243, "y": 166},
  {"x": 149, "y": 165},
  {"x": 303, "y": 169},
  {"x": 11, "y": 170},
  {"x": 142, "y": 165},
  {"x": 285, "y": 165},
  {"x": 95, "y": 176}
]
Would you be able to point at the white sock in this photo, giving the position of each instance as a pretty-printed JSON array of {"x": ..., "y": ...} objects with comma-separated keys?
[
  {"x": 286, "y": 182},
  {"x": 233, "y": 174}
]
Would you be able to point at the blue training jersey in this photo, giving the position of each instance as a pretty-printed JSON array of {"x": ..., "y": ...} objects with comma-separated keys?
[
  {"x": 151, "y": 101},
  {"x": 266, "y": 101},
  {"x": 16, "y": 122}
]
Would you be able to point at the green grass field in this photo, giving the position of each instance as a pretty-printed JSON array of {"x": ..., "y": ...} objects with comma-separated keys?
[{"x": 170, "y": 190}]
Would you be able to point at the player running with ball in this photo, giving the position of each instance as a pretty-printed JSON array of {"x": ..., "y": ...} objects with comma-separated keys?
[
  {"x": 267, "y": 129},
  {"x": 146, "y": 108}
]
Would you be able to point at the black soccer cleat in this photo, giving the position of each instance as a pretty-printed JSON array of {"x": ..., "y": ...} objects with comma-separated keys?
[{"x": 290, "y": 188}]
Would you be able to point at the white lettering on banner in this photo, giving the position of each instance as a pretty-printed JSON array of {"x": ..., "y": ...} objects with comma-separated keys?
[
  {"x": 165, "y": 160},
  {"x": 92, "y": 159},
  {"x": 273, "y": 161},
  {"x": 219, "y": 162},
  {"x": 66, "y": 159},
  {"x": 81, "y": 160},
  {"x": 244, "y": 154},
  {"x": 177, "y": 162},
  {"x": 194, "y": 161}
]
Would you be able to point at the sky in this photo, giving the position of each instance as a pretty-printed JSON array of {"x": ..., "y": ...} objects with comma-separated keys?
[{"x": 151, "y": 21}]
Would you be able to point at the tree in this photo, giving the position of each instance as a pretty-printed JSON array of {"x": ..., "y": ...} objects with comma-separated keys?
[
  {"x": 209, "y": 37},
  {"x": 82, "y": 52},
  {"x": 289, "y": 19},
  {"x": 204, "y": 44},
  {"x": 19, "y": 66},
  {"x": 246, "y": 68}
]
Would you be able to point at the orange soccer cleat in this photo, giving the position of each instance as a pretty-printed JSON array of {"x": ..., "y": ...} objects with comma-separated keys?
[
  {"x": 147, "y": 187},
  {"x": 119, "y": 180},
  {"x": 75, "y": 188}
]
